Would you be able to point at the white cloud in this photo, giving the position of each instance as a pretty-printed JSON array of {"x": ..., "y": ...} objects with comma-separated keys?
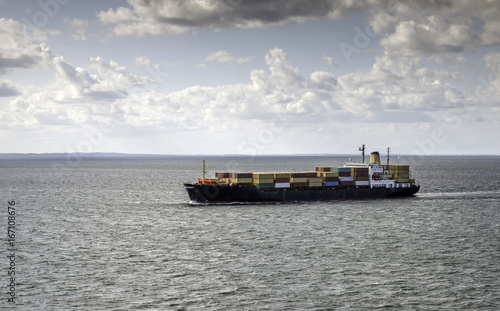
[
  {"x": 21, "y": 47},
  {"x": 158, "y": 17},
  {"x": 79, "y": 27},
  {"x": 146, "y": 62},
  {"x": 222, "y": 56},
  {"x": 330, "y": 61},
  {"x": 74, "y": 95},
  {"x": 323, "y": 80},
  {"x": 488, "y": 89},
  {"x": 435, "y": 36},
  {"x": 417, "y": 28},
  {"x": 392, "y": 90},
  {"x": 425, "y": 28},
  {"x": 7, "y": 89}
]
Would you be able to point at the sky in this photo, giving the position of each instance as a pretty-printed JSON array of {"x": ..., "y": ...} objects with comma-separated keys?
[{"x": 250, "y": 76}]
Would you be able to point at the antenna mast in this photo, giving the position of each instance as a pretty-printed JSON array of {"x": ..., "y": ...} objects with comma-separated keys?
[
  {"x": 203, "y": 182},
  {"x": 388, "y": 151},
  {"x": 362, "y": 149}
]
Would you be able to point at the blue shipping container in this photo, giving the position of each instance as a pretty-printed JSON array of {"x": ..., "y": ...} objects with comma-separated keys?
[{"x": 331, "y": 183}]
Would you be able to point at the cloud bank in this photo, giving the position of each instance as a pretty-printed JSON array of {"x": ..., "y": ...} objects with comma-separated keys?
[{"x": 416, "y": 27}]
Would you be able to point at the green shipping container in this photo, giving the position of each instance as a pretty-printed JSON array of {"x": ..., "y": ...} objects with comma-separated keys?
[
  {"x": 263, "y": 180},
  {"x": 263, "y": 175},
  {"x": 265, "y": 185}
]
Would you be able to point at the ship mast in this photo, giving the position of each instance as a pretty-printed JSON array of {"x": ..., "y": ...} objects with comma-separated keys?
[
  {"x": 203, "y": 180},
  {"x": 362, "y": 149},
  {"x": 388, "y": 151}
]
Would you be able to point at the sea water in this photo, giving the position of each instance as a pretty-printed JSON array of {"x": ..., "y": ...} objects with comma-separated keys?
[{"x": 118, "y": 234}]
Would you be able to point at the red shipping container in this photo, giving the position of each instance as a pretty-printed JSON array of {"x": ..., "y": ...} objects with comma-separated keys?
[
  {"x": 282, "y": 180},
  {"x": 243, "y": 175},
  {"x": 362, "y": 178}
]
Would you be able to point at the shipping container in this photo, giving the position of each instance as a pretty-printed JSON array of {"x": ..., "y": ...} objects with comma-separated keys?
[
  {"x": 344, "y": 174},
  {"x": 347, "y": 183},
  {"x": 299, "y": 184},
  {"x": 283, "y": 180},
  {"x": 315, "y": 184},
  {"x": 361, "y": 170},
  {"x": 362, "y": 183},
  {"x": 323, "y": 169},
  {"x": 315, "y": 180},
  {"x": 346, "y": 178},
  {"x": 283, "y": 185},
  {"x": 330, "y": 179},
  {"x": 242, "y": 180},
  {"x": 361, "y": 178},
  {"x": 259, "y": 176},
  {"x": 329, "y": 174},
  {"x": 298, "y": 179},
  {"x": 331, "y": 183},
  {"x": 282, "y": 175},
  {"x": 223, "y": 175},
  {"x": 242, "y": 175},
  {"x": 265, "y": 185},
  {"x": 263, "y": 181}
]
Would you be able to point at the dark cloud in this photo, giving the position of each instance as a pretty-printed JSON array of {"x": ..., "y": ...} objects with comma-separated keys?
[
  {"x": 7, "y": 90},
  {"x": 21, "y": 61},
  {"x": 167, "y": 17}
]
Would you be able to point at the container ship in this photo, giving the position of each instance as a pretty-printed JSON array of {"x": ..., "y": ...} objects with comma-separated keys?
[{"x": 355, "y": 180}]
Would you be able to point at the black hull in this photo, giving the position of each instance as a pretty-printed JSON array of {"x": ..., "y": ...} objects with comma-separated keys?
[{"x": 210, "y": 194}]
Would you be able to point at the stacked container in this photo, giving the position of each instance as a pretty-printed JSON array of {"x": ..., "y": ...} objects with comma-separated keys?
[
  {"x": 282, "y": 180},
  {"x": 361, "y": 176},
  {"x": 400, "y": 172},
  {"x": 330, "y": 179},
  {"x": 323, "y": 176},
  {"x": 263, "y": 180}
]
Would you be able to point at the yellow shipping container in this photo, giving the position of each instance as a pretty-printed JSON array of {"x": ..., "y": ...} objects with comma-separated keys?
[
  {"x": 402, "y": 175},
  {"x": 298, "y": 179},
  {"x": 315, "y": 180},
  {"x": 315, "y": 184},
  {"x": 282, "y": 175},
  {"x": 330, "y": 174},
  {"x": 263, "y": 180},
  {"x": 260, "y": 176},
  {"x": 242, "y": 180}
]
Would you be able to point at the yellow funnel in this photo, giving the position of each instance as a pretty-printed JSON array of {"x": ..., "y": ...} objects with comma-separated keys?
[{"x": 375, "y": 157}]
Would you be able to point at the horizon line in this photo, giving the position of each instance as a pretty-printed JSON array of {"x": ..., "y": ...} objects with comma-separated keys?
[{"x": 86, "y": 154}]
